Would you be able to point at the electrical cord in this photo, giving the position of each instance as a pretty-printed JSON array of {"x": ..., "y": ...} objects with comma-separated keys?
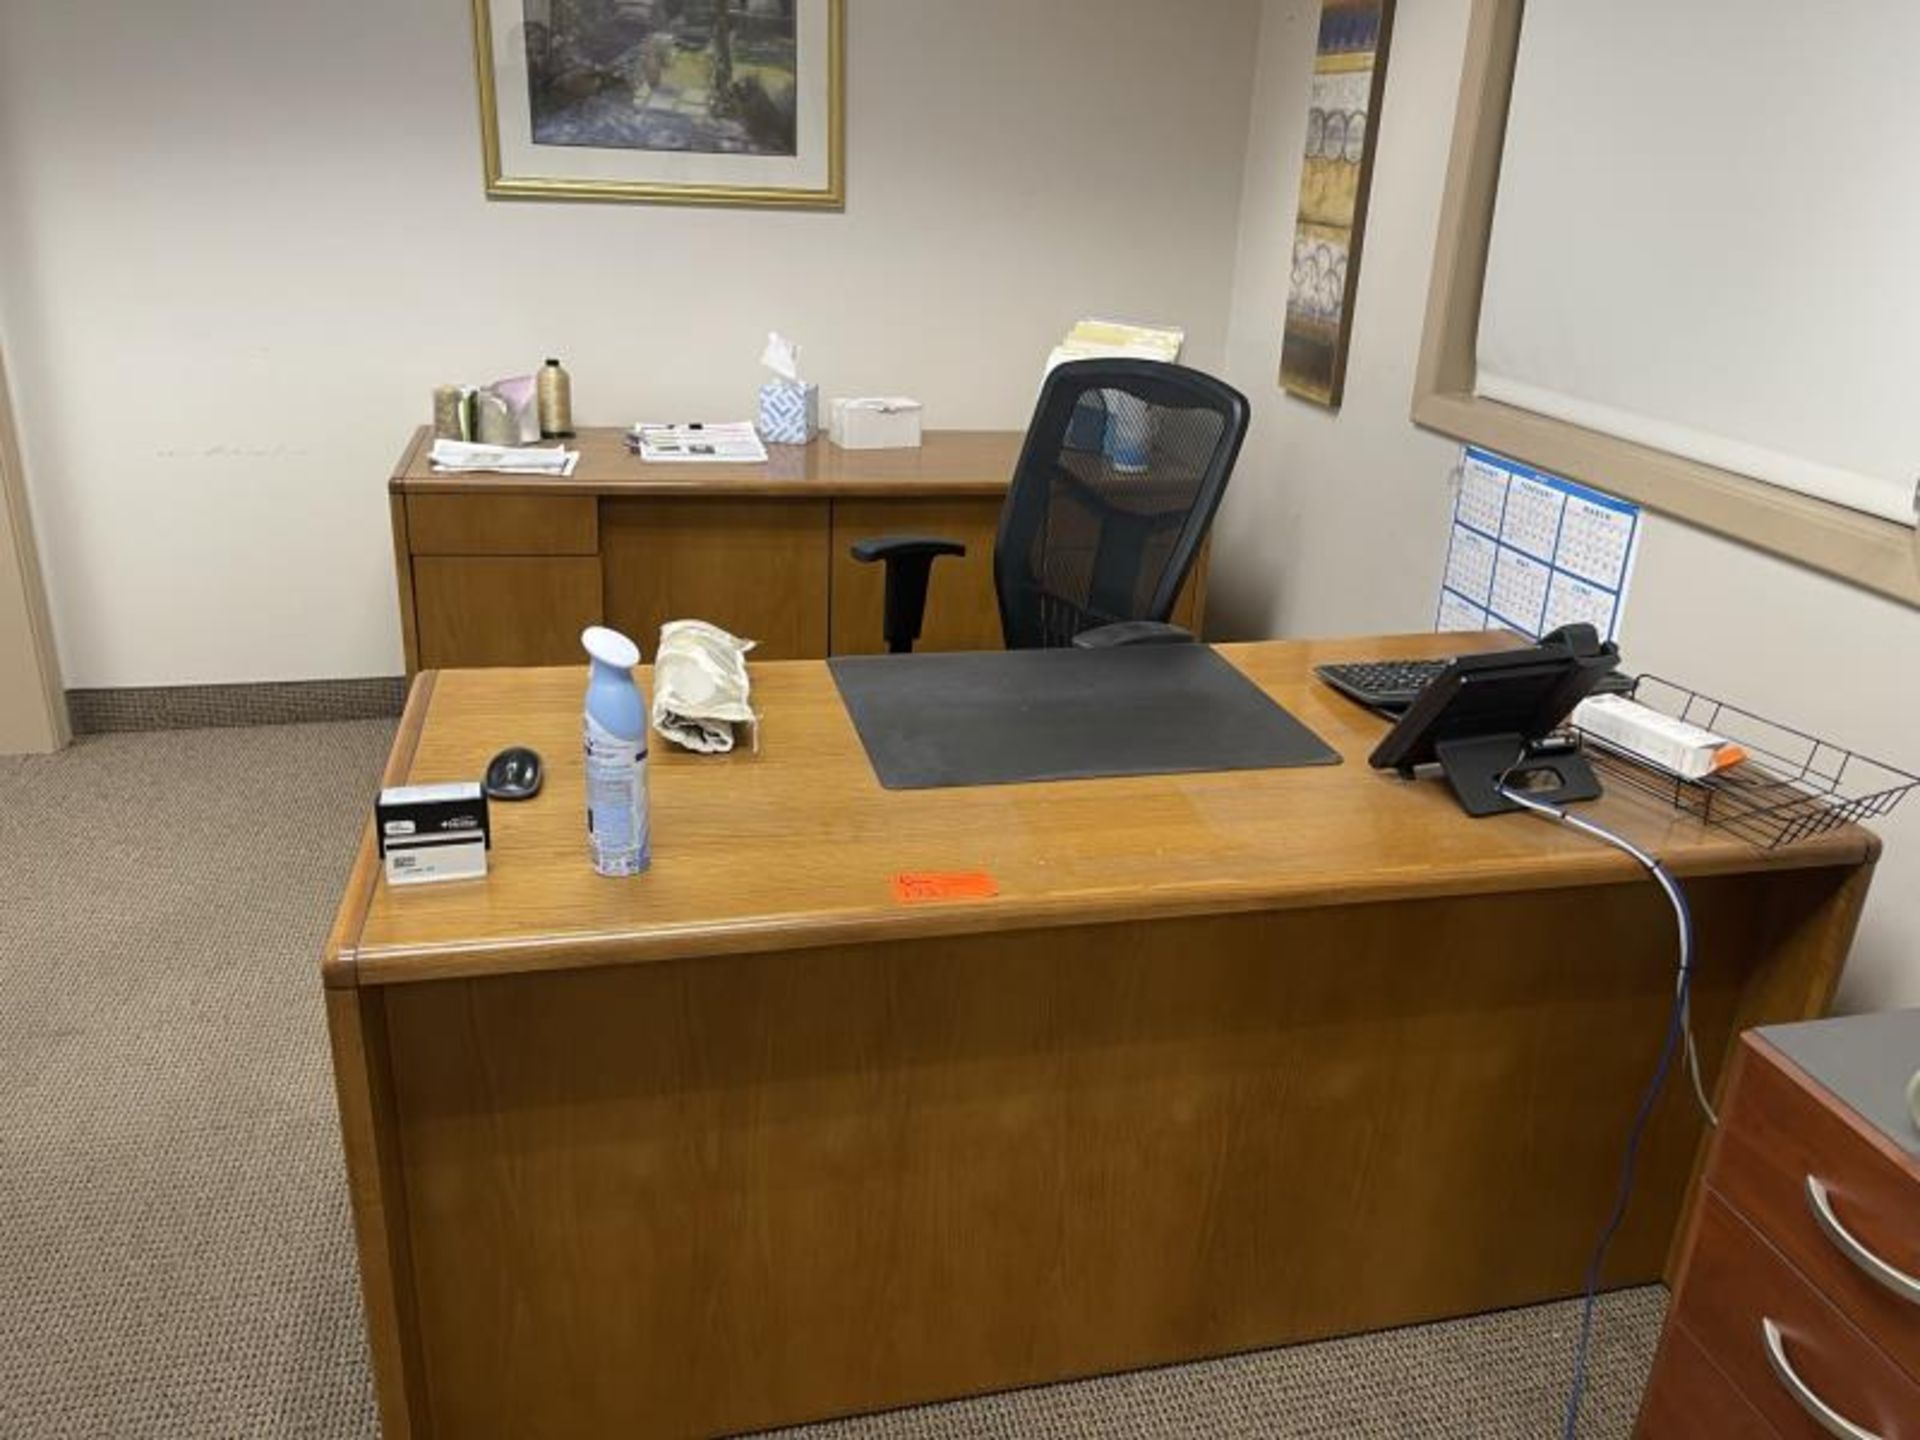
[
  {"x": 1683, "y": 915},
  {"x": 1679, "y": 1036}
]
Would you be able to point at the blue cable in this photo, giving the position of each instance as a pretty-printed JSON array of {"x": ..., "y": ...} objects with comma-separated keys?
[
  {"x": 1676, "y": 1034},
  {"x": 1571, "y": 1427}
]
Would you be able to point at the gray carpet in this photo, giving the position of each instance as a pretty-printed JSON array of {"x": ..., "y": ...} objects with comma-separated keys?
[{"x": 175, "y": 1257}]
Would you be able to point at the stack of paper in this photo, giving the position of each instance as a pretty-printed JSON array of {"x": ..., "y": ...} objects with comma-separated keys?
[
  {"x": 464, "y": 457},
  {"x": 737, "y": 443},
  {"x": 1102, "y": 339}
]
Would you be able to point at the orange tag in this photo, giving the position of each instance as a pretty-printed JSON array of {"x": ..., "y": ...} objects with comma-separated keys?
[{"x": 918, "y": 887}]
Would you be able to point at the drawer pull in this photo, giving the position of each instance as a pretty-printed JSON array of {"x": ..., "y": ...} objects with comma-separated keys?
[
  {"x": 1824, "y": 1415},
  {"x": 1898, "y": 1281}
]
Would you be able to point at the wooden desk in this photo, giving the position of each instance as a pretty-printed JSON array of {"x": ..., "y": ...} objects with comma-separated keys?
[
  {"x": 508, "y": 569},
  {"x": 1232, "y": 1060}
]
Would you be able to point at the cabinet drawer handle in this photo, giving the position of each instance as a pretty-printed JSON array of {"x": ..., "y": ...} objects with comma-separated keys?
[
  {"x": 1898, "y": 1281},
  {"x": 1824, "y": 1415}
]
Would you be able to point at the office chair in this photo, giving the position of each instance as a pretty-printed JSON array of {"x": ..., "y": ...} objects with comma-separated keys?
[{"x": 1123, "y": 468}]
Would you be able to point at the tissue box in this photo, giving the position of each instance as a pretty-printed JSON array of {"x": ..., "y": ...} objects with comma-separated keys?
[
  {"x": 789, "y": 412},
  {"x": 891, "y": 424}
]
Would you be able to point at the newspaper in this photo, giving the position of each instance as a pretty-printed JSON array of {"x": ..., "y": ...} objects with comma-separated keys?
[
  {"x": 735, "y": 443},
  {"x": 462, "y": 457}
]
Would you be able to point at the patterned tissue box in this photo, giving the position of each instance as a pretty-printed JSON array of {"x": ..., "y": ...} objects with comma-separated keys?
[{"x": 789, "y": 412}]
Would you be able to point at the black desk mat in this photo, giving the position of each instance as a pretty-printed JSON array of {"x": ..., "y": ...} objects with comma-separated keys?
[{"x": 994, "y": 717}]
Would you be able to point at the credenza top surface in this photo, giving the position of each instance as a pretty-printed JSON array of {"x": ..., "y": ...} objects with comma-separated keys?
[{"x": 950, "y": 463}]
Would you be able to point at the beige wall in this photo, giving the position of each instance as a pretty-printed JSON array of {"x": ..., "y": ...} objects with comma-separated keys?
[
  {"x": 1337, "y": 524},
  {"x": 246, "y": 237}
]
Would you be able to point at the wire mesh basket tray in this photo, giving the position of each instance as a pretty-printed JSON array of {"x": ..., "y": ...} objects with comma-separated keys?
[{"x": 1791, "y": 787}]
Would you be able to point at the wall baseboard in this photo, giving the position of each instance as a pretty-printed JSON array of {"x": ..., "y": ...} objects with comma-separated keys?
[{"x": 199, "y": 707}]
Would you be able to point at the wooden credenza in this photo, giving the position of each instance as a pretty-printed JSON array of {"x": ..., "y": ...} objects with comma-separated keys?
[
  {"x": 508, "y": 569},
  {"x": 1796, "y": 1311}
]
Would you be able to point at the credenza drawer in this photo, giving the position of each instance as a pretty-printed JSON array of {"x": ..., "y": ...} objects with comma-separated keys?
[
  {"x": 1740, "y": 1300},
  {"x": 1689, "y": 1398},
  {"x": 1778, "y": 1135},
  {"x": 504, "y": 524}
]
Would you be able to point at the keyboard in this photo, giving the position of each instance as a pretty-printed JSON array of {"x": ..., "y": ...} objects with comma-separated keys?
[{"x": 1389, "y": 686}]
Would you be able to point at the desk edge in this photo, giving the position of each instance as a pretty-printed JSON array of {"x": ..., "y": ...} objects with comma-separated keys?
[
  {"x": 398, "y": 965},
  {"x": 411, "y": 477},
  {"x": 340, "y": 960}
]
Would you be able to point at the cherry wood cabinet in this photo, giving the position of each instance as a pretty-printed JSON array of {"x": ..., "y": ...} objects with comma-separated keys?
[{"x": 1797, "y": 1304}]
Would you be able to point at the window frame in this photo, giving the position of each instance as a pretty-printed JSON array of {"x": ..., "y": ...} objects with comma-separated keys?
[{"x": 1879, "y": 555}]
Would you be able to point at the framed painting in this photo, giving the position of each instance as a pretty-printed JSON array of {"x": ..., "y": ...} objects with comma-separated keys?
[
  {"x": 1349, "y": 74},
  {"x": 701, "y": 102}
]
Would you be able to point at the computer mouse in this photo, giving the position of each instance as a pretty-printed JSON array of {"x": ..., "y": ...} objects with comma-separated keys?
[{"x": 514, "y": 774}]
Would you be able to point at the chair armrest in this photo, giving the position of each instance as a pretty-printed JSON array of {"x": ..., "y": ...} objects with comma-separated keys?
[
  {"x": 909, "y": 560},
  {"x": 887, "y": 547},
  {"x": 1132, "y": 632}
]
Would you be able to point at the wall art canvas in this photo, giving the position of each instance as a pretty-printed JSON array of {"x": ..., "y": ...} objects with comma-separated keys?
[
  {"x": 695, "y": 101},
  {"x": 1350, "y": 67}
]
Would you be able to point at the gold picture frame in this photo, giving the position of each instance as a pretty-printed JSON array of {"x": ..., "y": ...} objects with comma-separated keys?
[{"x": 769, "y": 144}]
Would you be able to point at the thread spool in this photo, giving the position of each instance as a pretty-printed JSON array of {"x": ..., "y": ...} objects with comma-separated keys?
[
  {"x": 493, "y": 422},
  {"x": 556, "y": 401},
  {"x": 450, "y": 420}
]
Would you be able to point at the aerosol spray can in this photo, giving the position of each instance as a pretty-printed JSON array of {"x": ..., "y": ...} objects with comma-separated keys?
[{"x": 614, "y": 730}]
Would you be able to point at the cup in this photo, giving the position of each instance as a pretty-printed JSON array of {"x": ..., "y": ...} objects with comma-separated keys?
[
  {"x": 1087, "y": 430},
  {"x": 1129, "y": 442}
]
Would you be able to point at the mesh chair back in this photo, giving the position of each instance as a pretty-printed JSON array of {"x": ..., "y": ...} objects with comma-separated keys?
[{"x": 1123, "y": 469}]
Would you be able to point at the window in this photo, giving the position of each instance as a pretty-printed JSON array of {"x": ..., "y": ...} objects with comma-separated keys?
[{"x": 1674, "y": 262}]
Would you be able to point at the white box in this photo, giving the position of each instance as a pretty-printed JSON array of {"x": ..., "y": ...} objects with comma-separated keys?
[
  {"x": 1661, "y": 740},
  {"x": 433, "y": 832},
  {"x": 875, "y": 424}
]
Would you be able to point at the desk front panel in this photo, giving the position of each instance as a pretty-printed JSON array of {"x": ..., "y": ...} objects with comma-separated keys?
[{"x": 706, "y": 1196}]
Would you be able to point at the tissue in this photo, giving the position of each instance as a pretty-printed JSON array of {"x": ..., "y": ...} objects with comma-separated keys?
[
  {"x": 789, "y": 406},
  {"x": 782, "y": 357}
]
